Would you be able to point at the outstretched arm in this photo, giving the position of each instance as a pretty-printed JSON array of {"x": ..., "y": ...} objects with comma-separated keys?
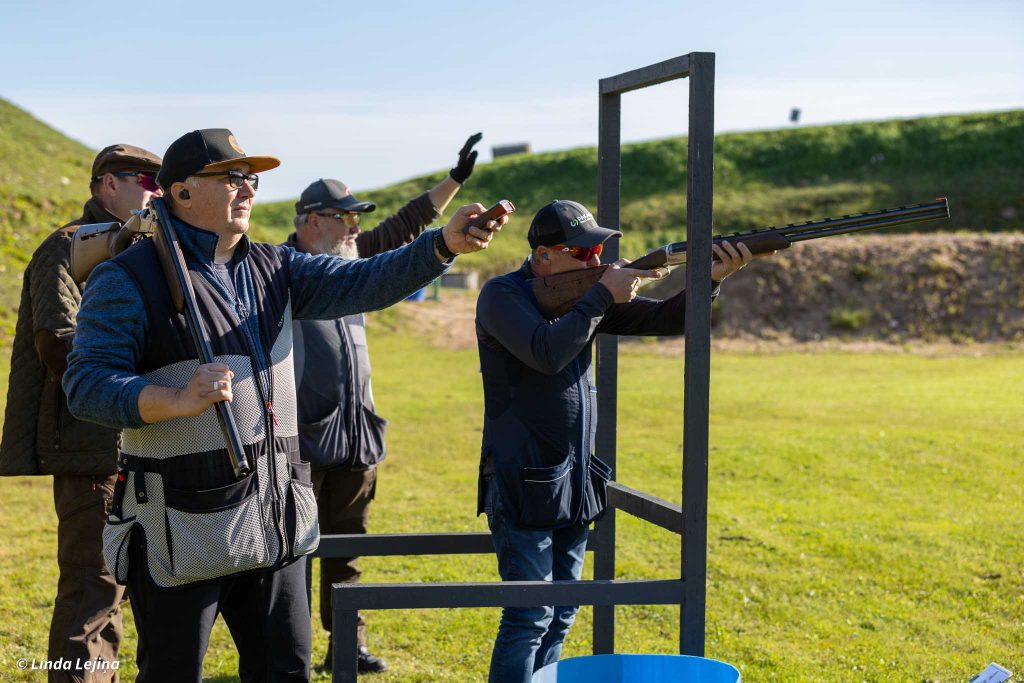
[{"x": 325, "y": 287}]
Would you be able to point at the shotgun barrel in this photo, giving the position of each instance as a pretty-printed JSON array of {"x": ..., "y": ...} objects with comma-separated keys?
[
  {"x": 172, "y": 261},
  {"x": 783, "y": 236}
]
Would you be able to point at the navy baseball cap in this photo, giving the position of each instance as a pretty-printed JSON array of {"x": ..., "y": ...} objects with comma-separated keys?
[
  {"x": 208, "y": 149},
  {"x": 568, "y": 223},
  {"x": 331, "y": 194}
]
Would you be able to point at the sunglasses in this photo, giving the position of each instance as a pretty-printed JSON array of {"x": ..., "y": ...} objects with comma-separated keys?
[
  {"x": 235, "y": 178},
  {"x": 146, "y": 180},
  {"x": 581, "y": 253},
  {"x": 349, "y": 219}
]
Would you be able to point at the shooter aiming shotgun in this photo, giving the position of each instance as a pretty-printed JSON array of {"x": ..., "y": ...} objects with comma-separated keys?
[{"x": 556, "y": 294}]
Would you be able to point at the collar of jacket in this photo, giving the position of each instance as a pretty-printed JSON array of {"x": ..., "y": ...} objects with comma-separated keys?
[
  {"x": 93, "y": 212},
  {"x": 293, "y": 242},
  {"x": 525, "y": 271},
  {"x": 199, "y": 246}
]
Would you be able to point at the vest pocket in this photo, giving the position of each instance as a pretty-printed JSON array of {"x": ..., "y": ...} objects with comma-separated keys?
[
  {"x": 325, "y": 442},
  {"x": 116, "y": 536},
  {"x": 216, "y": 532},
  {"x": 372, "y": 449},
  {"x": 596, "y": 494},
  {"x": 301, "y": 517},
  {"x": 545, "y": 500}
]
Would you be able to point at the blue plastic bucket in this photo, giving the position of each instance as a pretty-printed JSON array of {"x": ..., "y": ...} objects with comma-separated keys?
[
  {"x": 418, "y": 295},
  {"x": 637, "y": 668}
]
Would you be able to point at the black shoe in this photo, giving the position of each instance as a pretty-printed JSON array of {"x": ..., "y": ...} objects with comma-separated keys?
[{"x": 368, "y": 664}]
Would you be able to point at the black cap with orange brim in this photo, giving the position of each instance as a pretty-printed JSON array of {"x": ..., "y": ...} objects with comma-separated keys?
[{"x": 207, "y": 150}]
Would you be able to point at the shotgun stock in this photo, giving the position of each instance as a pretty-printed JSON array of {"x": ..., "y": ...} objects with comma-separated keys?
[
  {"x": 557, "y": 294},
  {"x": 94, "y": 243}
]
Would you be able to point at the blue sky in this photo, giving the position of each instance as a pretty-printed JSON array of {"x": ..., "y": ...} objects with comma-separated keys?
[{"x": 375, "y": 92}]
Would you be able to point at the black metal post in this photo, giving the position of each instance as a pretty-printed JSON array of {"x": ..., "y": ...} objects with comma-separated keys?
[
  {"x": 697, "y": 373},
  {"x": 345, "y": 634},
  {"x": 608, "y": 188}
]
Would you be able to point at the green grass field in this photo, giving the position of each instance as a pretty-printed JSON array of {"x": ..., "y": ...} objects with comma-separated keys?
[{"x": 864, "y": 516}]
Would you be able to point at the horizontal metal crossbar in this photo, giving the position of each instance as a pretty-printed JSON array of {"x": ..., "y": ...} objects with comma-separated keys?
[
  {"x": 645, "y": 506},
  {"x": 376, "y": 545},
  {"x": 357, "y": 596},
  {"x": 380, "y": 545},
  {"x": 670, "y": 69}
]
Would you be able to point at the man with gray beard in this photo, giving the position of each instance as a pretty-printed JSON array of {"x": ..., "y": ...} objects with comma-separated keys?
[{"x": 340, "y": 433}]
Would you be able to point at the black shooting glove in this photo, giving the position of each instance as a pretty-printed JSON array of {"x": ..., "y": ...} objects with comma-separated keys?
[{"x": 467, "y": 160}]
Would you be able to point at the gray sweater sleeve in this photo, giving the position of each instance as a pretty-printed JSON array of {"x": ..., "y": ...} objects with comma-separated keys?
[
  {"x": 326, "y": 287},
  {"x": 101, "y": 383},
  {"x": 507, "y": 314}
]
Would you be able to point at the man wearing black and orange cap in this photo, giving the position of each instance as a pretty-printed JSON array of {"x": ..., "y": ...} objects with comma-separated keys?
[
  {"x": 190, "y": 537},
  {"x": 40, "y": 437}
]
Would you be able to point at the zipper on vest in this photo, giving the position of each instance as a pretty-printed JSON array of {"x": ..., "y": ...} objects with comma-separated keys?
[
  {"x": 354, "y": 397},
  {"x": 584, "y": 394},
  {"x": 240, "y": 315},
  {"x": 271, "y": 423}
]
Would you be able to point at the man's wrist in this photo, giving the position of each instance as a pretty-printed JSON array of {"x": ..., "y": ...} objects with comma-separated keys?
[{"x": 441, "y": 247}]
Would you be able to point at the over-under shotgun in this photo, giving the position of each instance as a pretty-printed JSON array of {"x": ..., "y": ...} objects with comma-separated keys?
[{"x": 556, "y": 294}]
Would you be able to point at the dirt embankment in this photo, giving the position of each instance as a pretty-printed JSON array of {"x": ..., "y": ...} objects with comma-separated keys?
[{"x": 887, "y": 288}]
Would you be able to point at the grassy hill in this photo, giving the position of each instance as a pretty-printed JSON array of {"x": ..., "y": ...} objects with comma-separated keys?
[
  {"x": 763, "y": 178},
  {"x": 44, "y": 178}
]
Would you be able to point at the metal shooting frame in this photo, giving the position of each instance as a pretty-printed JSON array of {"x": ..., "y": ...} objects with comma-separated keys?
[{"x": 689, "y": 521}]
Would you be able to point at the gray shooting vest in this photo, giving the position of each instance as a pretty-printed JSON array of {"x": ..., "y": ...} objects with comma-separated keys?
[
  {"x": 176, "y": 486},
  {"x": 338, "y": 426}
]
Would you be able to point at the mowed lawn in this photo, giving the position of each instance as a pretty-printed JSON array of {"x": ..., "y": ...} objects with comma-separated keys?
[{"x": 865, "y": 517}]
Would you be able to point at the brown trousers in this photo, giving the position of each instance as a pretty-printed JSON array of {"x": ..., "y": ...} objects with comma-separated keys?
[
  {"x": 343, "y": 503},
  {"x": 86, "y": 621}
]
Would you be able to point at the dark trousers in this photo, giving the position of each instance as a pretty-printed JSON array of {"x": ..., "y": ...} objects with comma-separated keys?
[
  {"x": 86, "y": 622},
  {"x": 266, "y": 612},
  {"x": 343, "y": 503}
]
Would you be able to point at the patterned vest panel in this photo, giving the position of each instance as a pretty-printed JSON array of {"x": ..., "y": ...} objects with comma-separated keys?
[{"x": 198, "y": 522}]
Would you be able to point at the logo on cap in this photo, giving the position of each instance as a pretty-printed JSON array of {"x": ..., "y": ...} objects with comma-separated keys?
[
  {"x": 234, "y": 144},
  {"x": 581, "y": 219}
]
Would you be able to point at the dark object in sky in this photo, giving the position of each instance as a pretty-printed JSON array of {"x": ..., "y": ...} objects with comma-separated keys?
[
  {"x": 508, "y": 150},
  {"x": 794, "y": 115}
]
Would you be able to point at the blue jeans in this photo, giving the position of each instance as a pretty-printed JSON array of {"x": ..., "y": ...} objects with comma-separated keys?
[{"x": 531, "y": 637}]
